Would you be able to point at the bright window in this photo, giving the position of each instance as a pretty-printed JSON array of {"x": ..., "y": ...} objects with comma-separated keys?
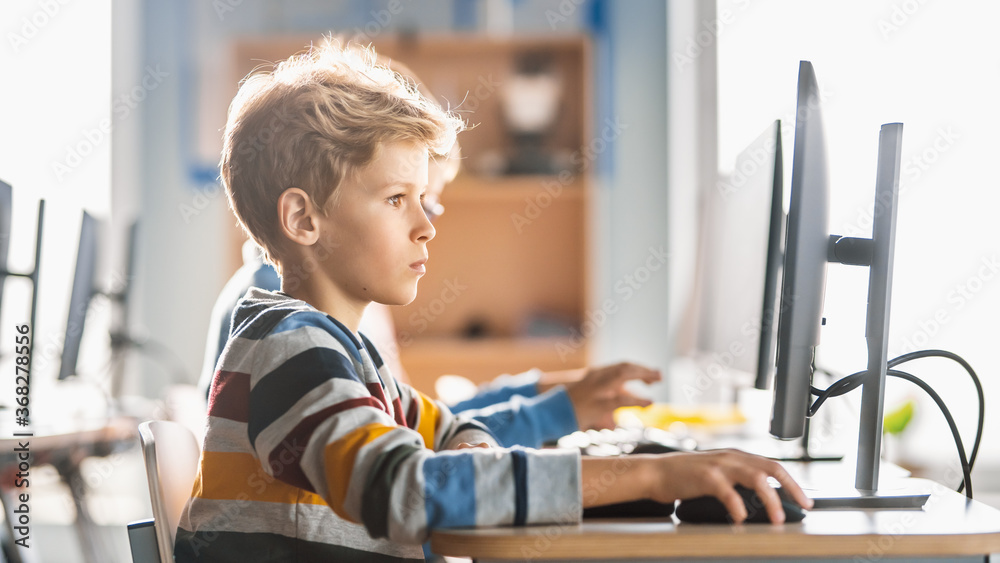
[
  {"x": 935, "y": 67},
  {"x": 55, "y": 112}
]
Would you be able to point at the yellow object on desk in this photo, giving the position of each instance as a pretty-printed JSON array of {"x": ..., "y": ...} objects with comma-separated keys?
[{"x": 663, "y": 416}]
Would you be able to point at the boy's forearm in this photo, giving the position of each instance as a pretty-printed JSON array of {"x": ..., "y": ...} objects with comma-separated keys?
[
  {"x": 549, "y": 379},
  {"x": 610, "y": 480}
]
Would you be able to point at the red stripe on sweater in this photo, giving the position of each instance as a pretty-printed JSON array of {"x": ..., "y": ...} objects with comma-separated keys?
[
  {"x": 229, "y": 396},
  {"x": 284, "y": 460}
]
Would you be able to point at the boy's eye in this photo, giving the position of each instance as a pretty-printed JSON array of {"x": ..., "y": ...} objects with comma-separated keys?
[{"x": 395, "y": 200}]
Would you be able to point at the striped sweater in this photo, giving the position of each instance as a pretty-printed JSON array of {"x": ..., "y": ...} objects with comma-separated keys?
[{"x": 313, "y": 452}]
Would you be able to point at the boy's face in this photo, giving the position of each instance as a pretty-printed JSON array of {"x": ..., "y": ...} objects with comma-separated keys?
[{"x": 376, "y": 230}]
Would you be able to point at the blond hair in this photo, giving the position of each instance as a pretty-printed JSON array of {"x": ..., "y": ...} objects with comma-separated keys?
[{"x": 315, "y": 120}]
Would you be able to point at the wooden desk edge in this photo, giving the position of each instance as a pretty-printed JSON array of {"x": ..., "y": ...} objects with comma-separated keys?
[{"x": 559, "y": 545}]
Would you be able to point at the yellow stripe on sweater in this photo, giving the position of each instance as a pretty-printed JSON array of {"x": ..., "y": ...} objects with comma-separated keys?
[
  {"x": 427, "y": 423},
  {"x": 239, "y": 476},
  {"x": 340, "y": 456}
]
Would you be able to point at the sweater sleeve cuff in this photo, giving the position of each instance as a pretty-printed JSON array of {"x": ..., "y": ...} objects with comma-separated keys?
[
  {"x": 470, "y": 432},
  {"x": 554, "y": 489}
]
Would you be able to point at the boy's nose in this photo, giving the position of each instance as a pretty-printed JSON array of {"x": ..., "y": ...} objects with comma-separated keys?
[{"x": 424, "y": 230}]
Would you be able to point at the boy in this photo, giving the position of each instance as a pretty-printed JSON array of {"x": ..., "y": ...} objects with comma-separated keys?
[
  {"x": 529, "y": 409},
  {"x": 313, "y": 452}
]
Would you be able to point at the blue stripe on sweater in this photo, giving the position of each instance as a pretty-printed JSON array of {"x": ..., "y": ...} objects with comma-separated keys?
[
  {"x": 325, "y": 322},
  {"x": 529, "y": 422},
  {"x": 520, "y": 461},
  {"x": 493, "y": 395},
  {"x": 276, "y": 393},
  {"x": 450, "y": 490}
]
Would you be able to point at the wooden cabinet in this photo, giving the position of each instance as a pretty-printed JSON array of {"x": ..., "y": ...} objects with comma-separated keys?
[{"x": 507, "y": 282}]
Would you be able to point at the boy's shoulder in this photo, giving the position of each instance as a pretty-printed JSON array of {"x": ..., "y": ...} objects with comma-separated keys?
[
  {"x": 259, "y": 311},
  {"x": 262, "y": 313}
]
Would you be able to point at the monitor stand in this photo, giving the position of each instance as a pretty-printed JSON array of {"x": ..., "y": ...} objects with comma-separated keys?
[
  {"x": 894, "y": 495},
  {"x": 877, "y": 254},
  {"x": 876, "y": 500},
  {"x": 830, "y": 486}
]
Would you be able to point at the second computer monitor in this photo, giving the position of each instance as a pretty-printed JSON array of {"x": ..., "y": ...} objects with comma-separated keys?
[
  {"x": 6, "y": 203},
  {"x": 741, "y": 260},
  {"x": 84, "y": 288},
  {"x": 804, "y": 270}
]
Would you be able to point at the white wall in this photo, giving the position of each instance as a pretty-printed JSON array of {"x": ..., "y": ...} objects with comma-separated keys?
[
  {"x": 180, "y": 264},
  {"x": 632, "y": 208}
]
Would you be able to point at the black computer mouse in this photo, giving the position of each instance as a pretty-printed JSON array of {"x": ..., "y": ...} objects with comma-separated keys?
[
  {"x": 655, "y": 448},
  {"x": 709, "y": 509},
  {"x": 631, "y": 509}
]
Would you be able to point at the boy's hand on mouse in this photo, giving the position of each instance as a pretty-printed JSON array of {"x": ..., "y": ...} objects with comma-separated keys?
[
  {"x": 689, "y": 475},
  {"x": 601, "y": 390}
]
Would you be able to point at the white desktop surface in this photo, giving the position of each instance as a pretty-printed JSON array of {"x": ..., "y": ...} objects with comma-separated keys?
[{"x": 948, "y": 526}]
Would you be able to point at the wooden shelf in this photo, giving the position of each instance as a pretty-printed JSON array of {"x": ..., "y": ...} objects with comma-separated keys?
[
  {"x": 469, "y": 187},
  {"x": 497, "y": 262}
]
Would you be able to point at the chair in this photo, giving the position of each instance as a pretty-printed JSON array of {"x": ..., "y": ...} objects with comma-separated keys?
[{"x": 171, "y": 454}]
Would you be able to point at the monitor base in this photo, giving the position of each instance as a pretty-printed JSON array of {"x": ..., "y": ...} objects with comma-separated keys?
[
  {"x": 903, "y": 497},
  {"x": 810, "y": 458}
]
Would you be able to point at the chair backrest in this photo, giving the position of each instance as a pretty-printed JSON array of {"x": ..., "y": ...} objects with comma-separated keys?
[{"x": 171, "y": 454}]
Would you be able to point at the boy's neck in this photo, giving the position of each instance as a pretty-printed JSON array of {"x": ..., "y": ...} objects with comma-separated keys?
[{"x": 330, "y": 300}]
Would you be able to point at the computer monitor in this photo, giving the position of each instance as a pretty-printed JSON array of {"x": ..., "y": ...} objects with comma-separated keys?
[
  {"x": 6, "y": 204},
  {"x": 772, "y": 270},
  {"x": 83, "y": 290},
  {"x": 808, "y": 247},
  {"x": 804, "y": 266},
  {"x": 121, "y": 298},
  {"x": 6, "y": 215},
  {"x": 740, "y": 256}
]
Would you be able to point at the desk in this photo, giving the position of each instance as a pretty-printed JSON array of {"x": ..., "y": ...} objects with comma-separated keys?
[
  {"x": 948, "y": 526},
  {"x": 65, "y": 451}
]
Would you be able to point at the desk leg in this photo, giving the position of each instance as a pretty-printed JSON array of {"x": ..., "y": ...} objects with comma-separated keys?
[
  {"x": 15, "y": 556},
  {"x": 91, "y": 546}
]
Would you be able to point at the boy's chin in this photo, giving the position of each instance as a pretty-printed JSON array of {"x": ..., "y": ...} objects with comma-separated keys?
[{"x": 399, "y": 299}]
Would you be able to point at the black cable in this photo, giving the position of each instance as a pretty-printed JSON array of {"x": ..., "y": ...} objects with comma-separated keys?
[
  {"x": 853, "y": 381},
  {"x": 975, "y": 379},
  {"x": 840, "y": 387},
  {"x": 966, "y": 468}
]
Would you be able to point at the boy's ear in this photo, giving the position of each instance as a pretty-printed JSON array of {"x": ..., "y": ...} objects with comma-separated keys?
[{"x": 297, "y": 217}]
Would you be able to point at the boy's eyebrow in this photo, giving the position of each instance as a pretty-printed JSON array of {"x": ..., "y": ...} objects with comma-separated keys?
[{"x": 389, "y": 184}]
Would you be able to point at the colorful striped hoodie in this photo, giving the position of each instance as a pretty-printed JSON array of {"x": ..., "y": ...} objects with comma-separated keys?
[{"x": 313, "y": 452}]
